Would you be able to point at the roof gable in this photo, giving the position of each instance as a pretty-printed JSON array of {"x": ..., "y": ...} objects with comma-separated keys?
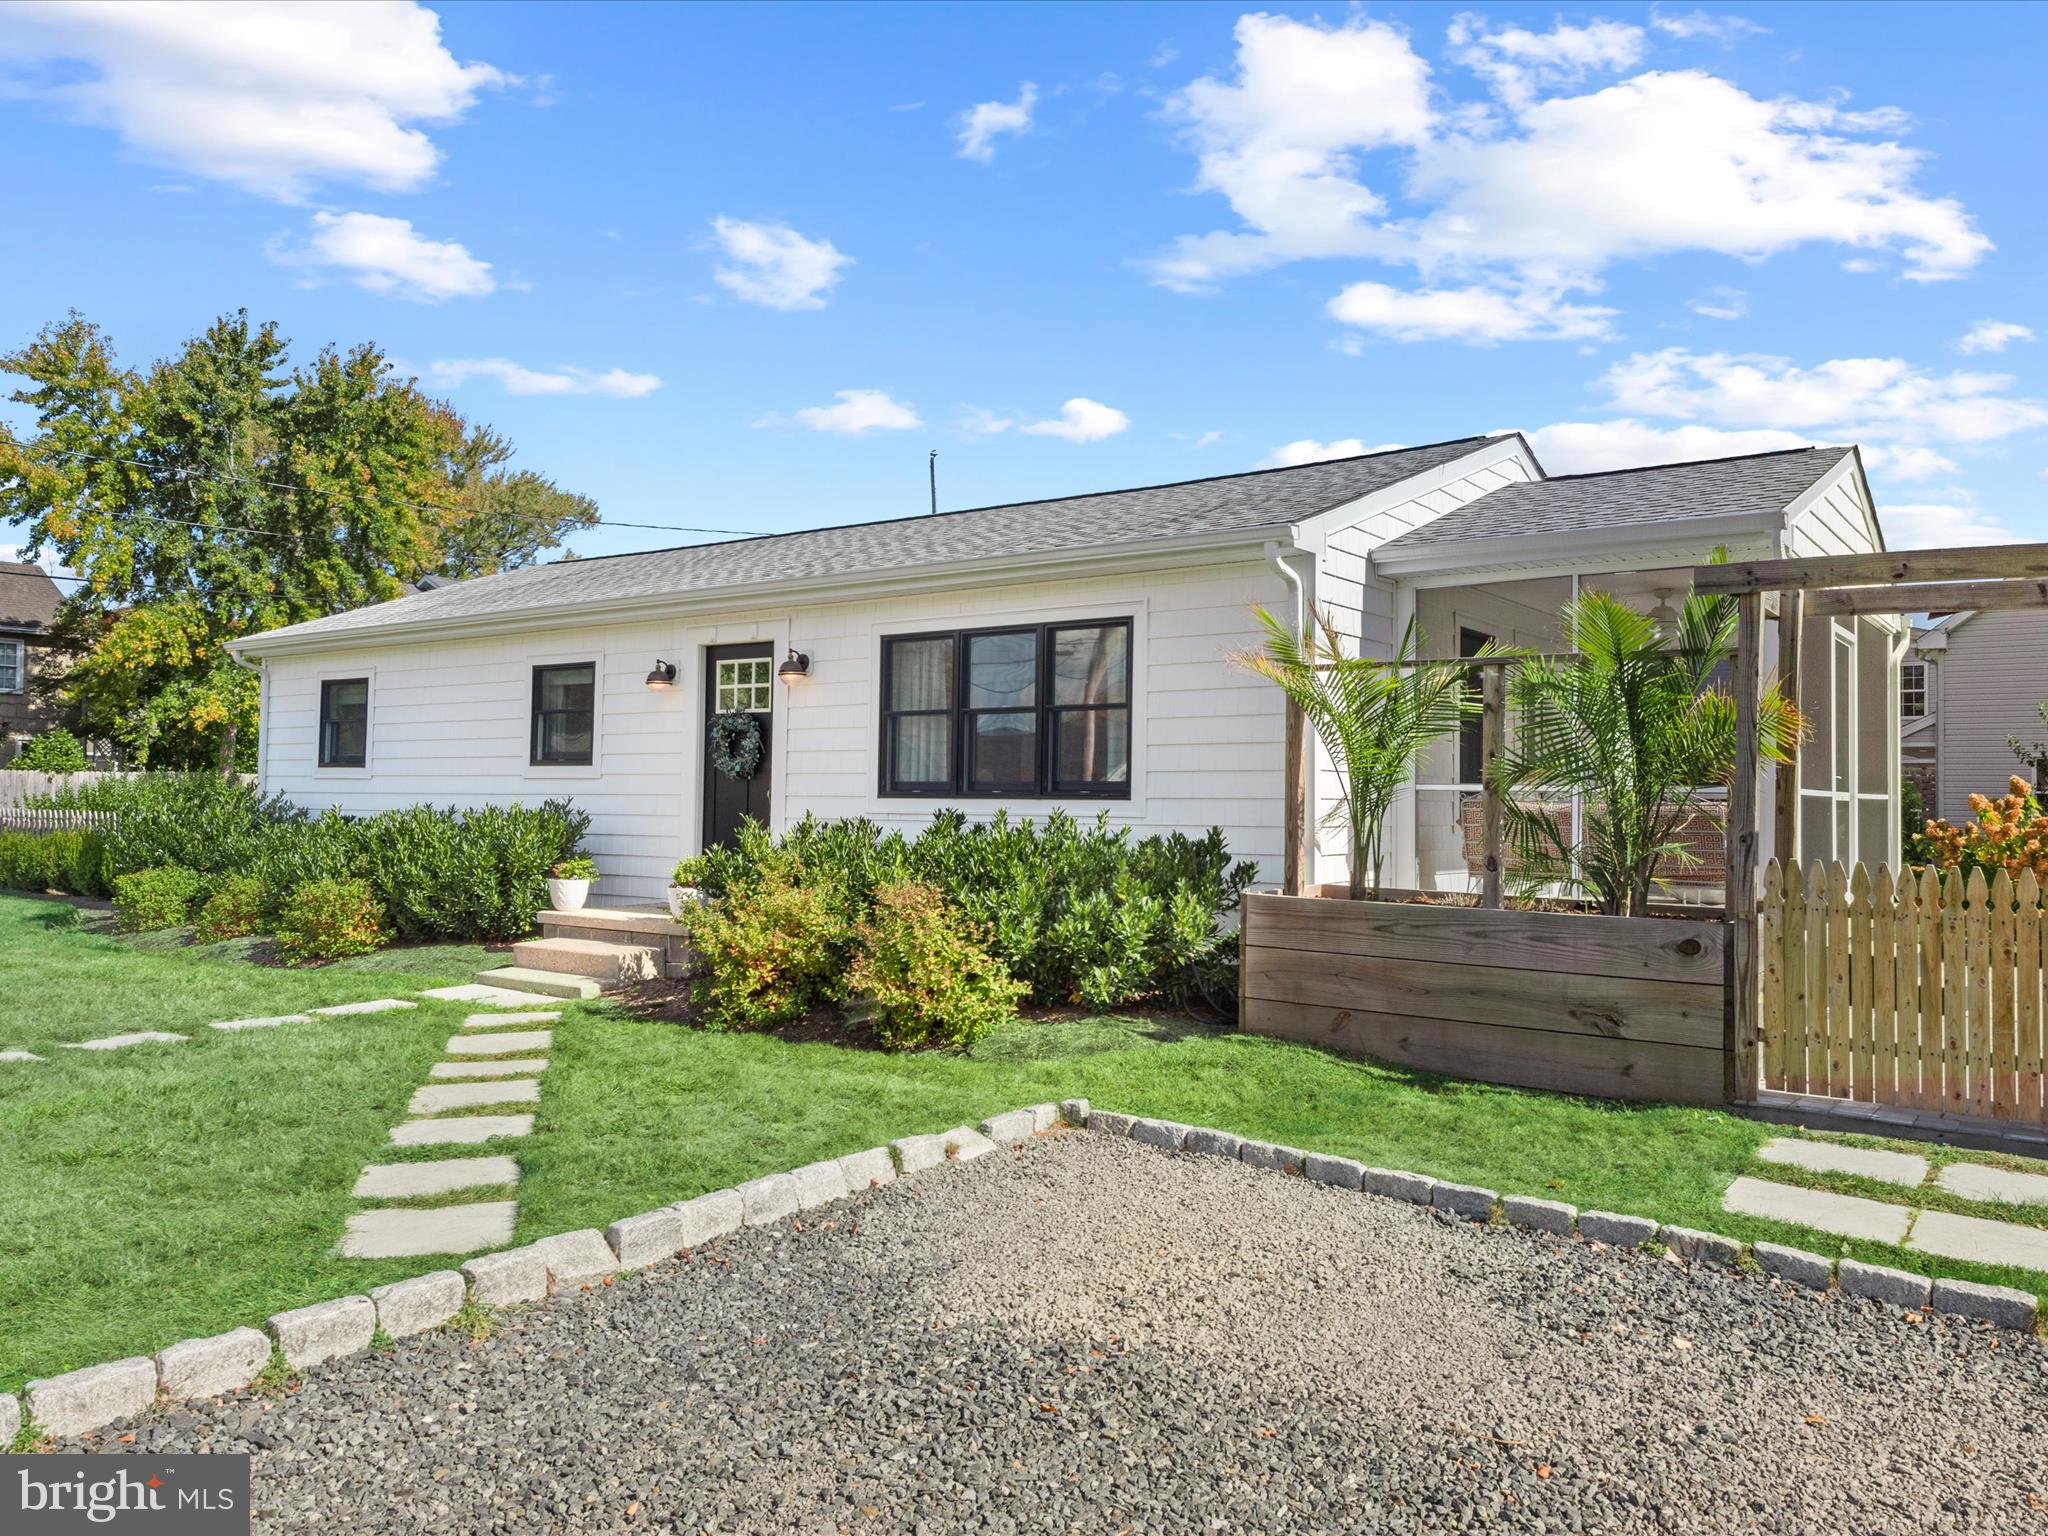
[{"x": 28, "y": 598}]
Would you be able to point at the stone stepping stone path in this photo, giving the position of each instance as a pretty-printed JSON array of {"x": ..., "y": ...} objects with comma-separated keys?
[
  {"x": 495, "y": 997},
  {"x": 502, "y": 1070},
  {"x": 375, "y": 1005},
  {"x": 122, "y": 1042},
  {"x": 19, "y": 1056},
  {"x": 1977, "y": 1239},
  {"x": 272, "y": 1022}
]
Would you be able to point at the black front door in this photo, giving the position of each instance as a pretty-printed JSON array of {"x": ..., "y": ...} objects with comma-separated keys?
[{"x": 738, "y": 679}]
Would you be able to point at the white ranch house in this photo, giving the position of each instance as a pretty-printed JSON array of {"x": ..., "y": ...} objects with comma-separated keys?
[{"x": 1069, "y": 653}]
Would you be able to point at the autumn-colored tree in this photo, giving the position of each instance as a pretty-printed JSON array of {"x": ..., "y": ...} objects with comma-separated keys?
[{"x": 219, "y": 494}]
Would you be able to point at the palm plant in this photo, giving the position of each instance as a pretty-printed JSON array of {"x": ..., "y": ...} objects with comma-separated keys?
[
  {"x": 1372, "y": 716},
  {"x": 1635, "y": 723}
]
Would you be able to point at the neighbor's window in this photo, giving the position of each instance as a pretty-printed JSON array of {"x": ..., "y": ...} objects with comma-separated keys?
[
  {"x": 1913, "y": 689},
  {"x": 564, "y": 709},
  {"x": 13, "y": 666},
  {"x": 344, "y": 722},
  {"x": 746, "y": 683},
  {"x": 1040, "y": 710}
]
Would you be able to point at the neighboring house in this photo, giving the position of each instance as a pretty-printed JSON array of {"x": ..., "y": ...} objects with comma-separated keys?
[
  {"x": 1983, "y": 676},
  {"x": 1072, "y": 653},
  {"x": 28, "y": 653}
]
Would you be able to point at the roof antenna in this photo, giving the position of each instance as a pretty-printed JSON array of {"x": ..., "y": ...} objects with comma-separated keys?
[{"x": 934, "y": 467}]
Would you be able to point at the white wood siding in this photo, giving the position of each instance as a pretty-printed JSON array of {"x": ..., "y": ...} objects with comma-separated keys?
[
  {"x": 449, "y": 720},
  {"x": 1992, "y": 675}
]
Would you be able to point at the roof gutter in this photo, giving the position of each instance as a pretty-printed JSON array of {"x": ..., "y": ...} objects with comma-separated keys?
[{"x": 1108, "y": 559}]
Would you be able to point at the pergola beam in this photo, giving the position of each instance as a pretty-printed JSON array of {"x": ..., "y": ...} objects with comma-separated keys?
[
  {"x": 2022, "y": 562},
  {"x": 1930, "y": 597}
]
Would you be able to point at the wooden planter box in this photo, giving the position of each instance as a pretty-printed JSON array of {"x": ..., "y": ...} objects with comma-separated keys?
[{"x": 1615, "y": 1007}]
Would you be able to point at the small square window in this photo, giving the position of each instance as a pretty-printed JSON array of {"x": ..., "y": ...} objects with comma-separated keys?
[
  {"x": 345, "y": 722},
  {"x": 564, "y": 714},
  {"x": 746, "y": 683}
]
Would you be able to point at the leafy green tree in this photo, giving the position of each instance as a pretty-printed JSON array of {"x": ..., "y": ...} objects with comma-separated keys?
[
  {"x": 1372, "y": 716},
  {"x": 1635, "y": 723},
  {"x": 507, "y": 517},
  {"x": 55, "y": 751}
]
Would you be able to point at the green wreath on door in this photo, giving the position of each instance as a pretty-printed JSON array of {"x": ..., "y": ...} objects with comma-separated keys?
[{"x": 734, "y": 744}]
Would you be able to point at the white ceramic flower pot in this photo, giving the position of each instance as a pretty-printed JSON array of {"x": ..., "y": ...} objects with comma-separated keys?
[
  {"x": 681, "y": 896},
  {"x": 567, "y": 895}
]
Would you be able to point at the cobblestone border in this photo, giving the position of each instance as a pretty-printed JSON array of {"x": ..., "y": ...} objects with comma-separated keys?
[
  {"x": 90, "y": 1399},
  {"x": 2001, "y": 1305}
]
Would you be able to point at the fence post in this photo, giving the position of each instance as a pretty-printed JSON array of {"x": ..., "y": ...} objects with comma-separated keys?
[
  {"x": 1493, "y": 693},
  {"x": 1739, "y": 1023},
  {"x": 1295, "y": 804},
  {"x": 1791, "y": 621}
]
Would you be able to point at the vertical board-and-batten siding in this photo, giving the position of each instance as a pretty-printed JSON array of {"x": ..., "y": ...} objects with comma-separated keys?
[
  {"x": 449, "y": 719},
  {"x": 1993, "y": 674}
]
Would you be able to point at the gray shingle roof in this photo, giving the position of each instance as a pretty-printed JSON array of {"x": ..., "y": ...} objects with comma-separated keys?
[
  {"x": 1259, "y": 499},
  {"x": 28, "y": 598},
  {"x": 1626, "y": 498}
]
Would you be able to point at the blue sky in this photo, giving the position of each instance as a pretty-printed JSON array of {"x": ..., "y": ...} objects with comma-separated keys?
[{"x": 742, "y": 267}]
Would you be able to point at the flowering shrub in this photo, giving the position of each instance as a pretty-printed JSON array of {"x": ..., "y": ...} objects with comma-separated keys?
[
  {"x": 770, "y": 953},
  {"x": 234, "y": 909},
  {"x": 921, "y": 974},
  {"x": 326, "y": 919},
  {"x": 2009, "y": 833},
  {"x": 155, "y": 898}
]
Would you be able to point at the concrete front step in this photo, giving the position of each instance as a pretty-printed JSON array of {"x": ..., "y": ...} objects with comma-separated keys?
[
  {"x": 611, "y": 964},
  {"x": 650, "y": 928},
  {"x": 553, "y": 983}
]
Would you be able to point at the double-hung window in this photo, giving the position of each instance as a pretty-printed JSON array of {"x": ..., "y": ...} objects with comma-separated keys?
[
  {"x": 564, "y": 714},
  {"x": 1913, "y": 689},
  {"x": 13, "y": 666},
  {"x": 1031, "y": 710},
  {"x": 344, "y": 722}
]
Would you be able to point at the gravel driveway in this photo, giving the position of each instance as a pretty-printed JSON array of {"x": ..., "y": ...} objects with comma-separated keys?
[{"x": 1095, "y": 1336}]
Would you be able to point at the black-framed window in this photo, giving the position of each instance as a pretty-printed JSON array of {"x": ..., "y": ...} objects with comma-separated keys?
[
  {"x": 564, "y": 713},
  {"x": 344, "y": 722},
  {"x": 1472, "y": 730},
  {"x": 1025, "y": 710}
]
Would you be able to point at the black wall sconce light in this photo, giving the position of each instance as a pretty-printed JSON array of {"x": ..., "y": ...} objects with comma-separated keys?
[
  {"x": 796, "y": 665},
  {"x": 663, "y": 675}
]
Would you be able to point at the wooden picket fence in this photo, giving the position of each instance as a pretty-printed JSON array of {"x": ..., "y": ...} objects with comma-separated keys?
[{"x": 1921, "y": 990}]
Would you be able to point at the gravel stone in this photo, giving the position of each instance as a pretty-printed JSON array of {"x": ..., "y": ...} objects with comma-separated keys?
[
  {"x": 820, "y": 1184},
  {"x": 1700, "y": 1247},
  {"x": 325, "y": 1330},
  {"x": 1540, "y": 1215},
  {"x": 646, "y": 1239},
  {"x": 407, "y": 1307},
  {"x": 577, "y": 1258},
  {"x": 1999, "y": 1304},
  {"x": 868, "y": 1170},
  {"x": 1087, "y": 1336},
  {"x": 10, "y": 1419},
  {"x": 1266, "y": 1154},
  {"x": 1396, "y": 1185},
  {"x": 718, "y": 1214},
  {"x": 1621, "y": 1231},
  {"x": 1467, "y": 1200},
  {"x": 1170, "y": 1134},
  {"x": 1213, "y": 1143},
  {"x": 226, "y": 1362},
  {"x": 502, "y": 1279},
  {"x": 1344, "y": 1172},
  {"x": 1794, "y": 1264},
  {"x": 1108, "y": 1122},
  {"x": 1894, "y": 1287},
  {"x": 767, "y": 1199},
  {"x": 92, "y": 1398},
  {"x": 1074, "y": 1112}
]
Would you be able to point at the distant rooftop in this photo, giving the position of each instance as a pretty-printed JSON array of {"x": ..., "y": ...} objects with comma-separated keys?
[{"x": 28, "y": 598}]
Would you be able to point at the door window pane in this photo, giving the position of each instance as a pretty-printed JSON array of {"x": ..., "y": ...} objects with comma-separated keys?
[
  {"x": 344, "y": 722},
  {"x": 1092, "y": 746},
  {"x": 1004, "y": 749},
  {"x": 1002, "y": 671},
  {"x": 745, "y": 683},
  {"x": 921, "y": 673},
  {"x": 1091, "y": 666}
]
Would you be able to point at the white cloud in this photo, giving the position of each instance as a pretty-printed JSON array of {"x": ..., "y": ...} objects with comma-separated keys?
[
  {"x": 1323, "y": 128},
  {"x": 1885, "y": 398},
  {"x": 1993, "y": 336},
  {"x": 1691, "y": 24},
  {"x": 1518, "y": 63},
  {"x": 1906, "y": 462},
  {"x": 451, "y": 373},
  {"x": 1209, "y": 439},
  {"x": 1081, "y": 420},
  {"x": 388, "y": 256},
  {"x": 1936, "y": 525},
  {"x": 859, "y": 412},
  {"x": 1721, "y": 303},
  {"x": 270, "y": 98},
  {"x": 774, "y": 265},
  {"x": 1584, "y": 447},
  {"x": 980, "y": 124},
  {"x": 1482, "y": 316},
  {"x": 1306, "y": 450}
]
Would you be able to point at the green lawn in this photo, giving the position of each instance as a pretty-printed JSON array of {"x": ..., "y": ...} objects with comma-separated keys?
[{"x": 176, "y": 1190}]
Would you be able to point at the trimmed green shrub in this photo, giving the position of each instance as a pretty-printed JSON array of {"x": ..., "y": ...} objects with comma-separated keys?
[
  {"x": 55, "y": 751},
  {"x": 328, "y": 919},
  {"x": 920, "y": 975},
  {"x": 235, "y": 909},
  {"x": 479, "y": 873},
  {"x": 197, "y": 821},
  {"x": 73, "y": 861},
  {"x": 155, "y": 898},
  {"x": 771, "y": 952}
]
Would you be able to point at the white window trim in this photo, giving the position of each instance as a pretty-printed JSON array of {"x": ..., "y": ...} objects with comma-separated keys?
[
  {"x": 20, "y": 648},
  {"x": 339, "y": 674}
]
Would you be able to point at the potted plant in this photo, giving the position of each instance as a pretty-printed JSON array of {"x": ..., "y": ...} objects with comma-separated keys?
[
  {"x": 684, "y": 889},
  {"x": 569, "y": 883}
]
